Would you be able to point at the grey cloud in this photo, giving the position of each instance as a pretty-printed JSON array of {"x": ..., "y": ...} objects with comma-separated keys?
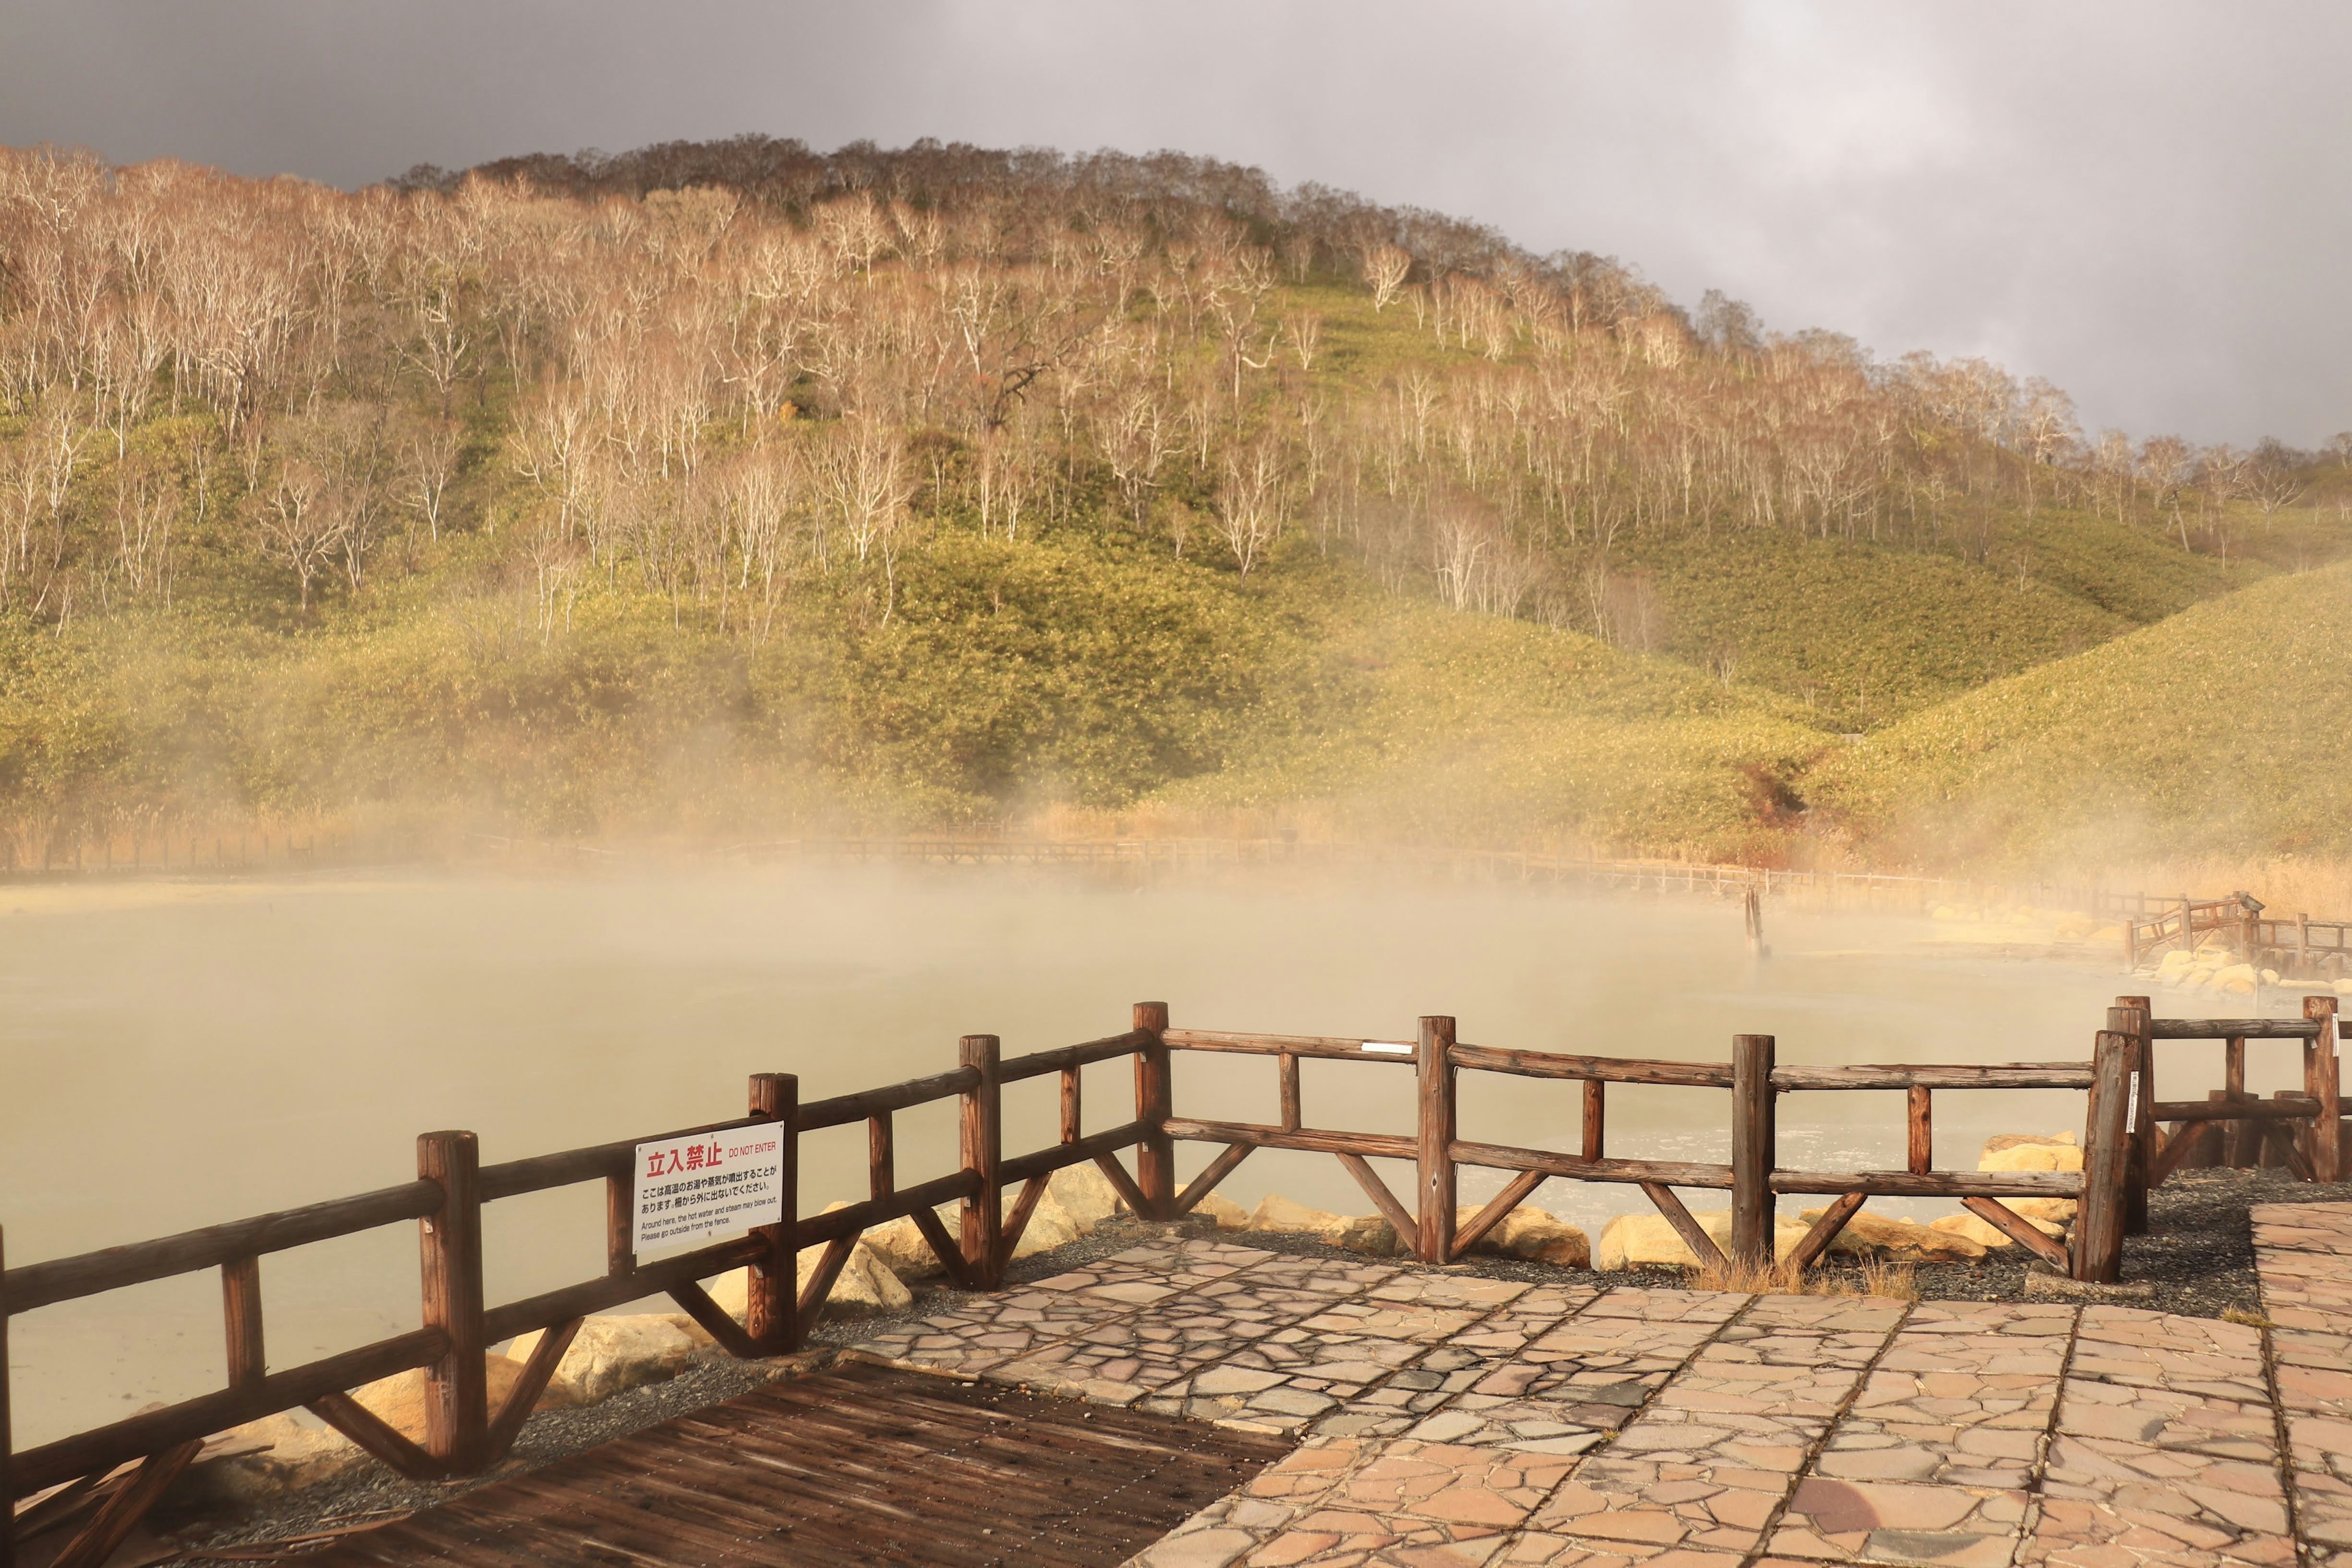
[{"x": 2143, "y": 202}]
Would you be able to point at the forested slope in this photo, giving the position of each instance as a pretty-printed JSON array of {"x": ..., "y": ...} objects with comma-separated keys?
[{"x": 731, "y": 488}]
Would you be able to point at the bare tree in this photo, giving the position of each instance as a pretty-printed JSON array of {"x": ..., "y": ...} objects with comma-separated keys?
[
  {"x": 429, "y": 462},
  {"x": 1386, "y": 266},
  {"x": 1250, "y": 497}
]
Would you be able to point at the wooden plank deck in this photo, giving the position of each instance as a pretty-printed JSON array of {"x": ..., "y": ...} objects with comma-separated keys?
[{"x": 862, "y": 1465}]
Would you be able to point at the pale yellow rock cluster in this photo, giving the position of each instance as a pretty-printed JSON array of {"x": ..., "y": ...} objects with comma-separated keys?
[{"x": 1648, "y": 1241}]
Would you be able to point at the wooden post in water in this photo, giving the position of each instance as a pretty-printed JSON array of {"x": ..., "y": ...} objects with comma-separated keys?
[
  {"x": 772, "y": 1305},
  {"x": 1753, "y": 1154},
  {"x": 2099, "y": 1216},
  {"x": 1433, "y": 1153},
  {"x": 457, "y": 1387},
  {"x": 2322, "y": 1080},
  {"x": 1155, "y": 1156},
  {"x": 983, "y": 1143},
  {"x": 1754, "y": 913},
  {"x": 2130, "y": 1016}
]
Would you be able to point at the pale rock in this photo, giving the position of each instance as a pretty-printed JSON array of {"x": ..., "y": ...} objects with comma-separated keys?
[
  {"x": 611, "y": 1355},
  {"x": 2013, "y": 1152},
  {"x": 301, "y": 1454},
  {"x": 731, "y": 1292},
  {"x": 1983, "y": 1232},
  {"x": 1282, "y": 1217},
  {"x": 2235, "y": 979},
  {"x": 1050, "y": 1226},
  {"x": 1648, "y": 1241},
  {"x": 900, "y": 1245},
  {"x": 1532, "y": 1234},
  {"x": 1085, "y": 1194},
  {"x": 866, "y": 1287},
  {"x": 2053, "y": 1210},
  {"x": 1868, "y": 1235},
  {"x": 1229, "y": 1215},
  {"x": 1368, "y": 1234}
]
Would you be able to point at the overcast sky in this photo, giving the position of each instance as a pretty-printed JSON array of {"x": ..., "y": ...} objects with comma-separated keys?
[{"x": 2143, "y": 201}]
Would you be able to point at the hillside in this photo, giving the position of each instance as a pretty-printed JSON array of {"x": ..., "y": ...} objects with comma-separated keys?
[
  {"x": 731, "y": 488},
  {"x": 2218, "y": 730}
]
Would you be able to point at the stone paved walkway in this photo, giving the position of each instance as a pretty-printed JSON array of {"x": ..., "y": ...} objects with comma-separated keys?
[{"x": 1447, "y": 1420}]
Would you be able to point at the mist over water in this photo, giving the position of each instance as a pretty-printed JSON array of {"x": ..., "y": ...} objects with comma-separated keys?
[{"x": 178, "y": 1054}]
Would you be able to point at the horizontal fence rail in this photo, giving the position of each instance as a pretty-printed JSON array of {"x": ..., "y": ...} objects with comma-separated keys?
[{"x": 2124, "y": 1154}]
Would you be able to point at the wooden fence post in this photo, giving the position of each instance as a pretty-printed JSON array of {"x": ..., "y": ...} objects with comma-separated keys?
[
  {"x": 2322, "y": 1081},
  {"x": 7, "y": 1434},
  {"x": 1753, "y": 1154},
  {"x": 982, "y": 1144},
  {"x": 1434, "y": 1152},
  {"x": 1155, "y": 1101},
  {"x": 457, "y": 1387},
  {"x": 771, "y": 1312},
  {"x": 247, "y": 1359},
  {"x": 1920, "y": 1144},
  {"x": 2099, "y": 1216},
  {"x": 2131, "y": 1015}
]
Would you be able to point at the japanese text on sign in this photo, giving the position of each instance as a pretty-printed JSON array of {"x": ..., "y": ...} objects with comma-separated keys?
[{"x": 708, "y": 1185}]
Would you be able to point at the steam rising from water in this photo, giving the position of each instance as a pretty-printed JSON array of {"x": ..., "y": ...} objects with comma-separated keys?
[{"x": 178, "y": 1054}]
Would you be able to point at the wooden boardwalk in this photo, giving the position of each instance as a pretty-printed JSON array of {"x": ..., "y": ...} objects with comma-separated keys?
[{"x": 862, "y": 1465}]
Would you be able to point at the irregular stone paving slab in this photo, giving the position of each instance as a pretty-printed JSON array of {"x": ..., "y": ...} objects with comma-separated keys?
[
  {"x": 1706, "y": 1464},
  {"x": 2314, "y": 1372},
  {"x": 2156, "y": 1505},
  {"x": 1496, "y": 1343},
  {"x": 2312, "y": 1227},
  {"x": 1809, "y": 1331},
  {"x": 1285, "y": 1380},
  {"x": 1323, "y": 1275},
  {"x": 2074, "y": 1532},
  {"x": 1425, "y": 1505},
  {"x": 1121, "y": 1362},
  {"x": 1670, "y": 1306},
  {"x": 2165, "y": 1449},
  {"x": 972, "y": 1340},
  {"x": 1896, "y": 1521},
  {"x": 2187, "y": 1355},
  {"x": 1424, "y": 1306},
  {"x": 2302, "y": 1255},
  {"x": 1541, "y": 1547},
  {"x": 1562, "y": 1393},
  {"x": 1963, "y": 1397},
  {"x": 981, "y": 1331}
]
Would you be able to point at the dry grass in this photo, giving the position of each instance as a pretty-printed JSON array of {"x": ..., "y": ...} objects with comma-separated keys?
[{"x": 1894, "y": 1281}]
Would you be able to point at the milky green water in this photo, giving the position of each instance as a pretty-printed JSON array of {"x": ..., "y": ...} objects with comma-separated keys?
[{"x": 178, "y": 1054}]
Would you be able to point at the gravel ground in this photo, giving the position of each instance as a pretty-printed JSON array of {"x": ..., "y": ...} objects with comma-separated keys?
[{"x": 2198, "y": 1259}]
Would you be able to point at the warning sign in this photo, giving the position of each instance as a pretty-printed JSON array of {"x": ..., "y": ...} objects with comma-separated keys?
[{"x": 706, "y": 1186}]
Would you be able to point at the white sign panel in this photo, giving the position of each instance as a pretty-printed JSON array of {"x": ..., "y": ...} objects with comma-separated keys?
[{"x": 708, "y": 1185}]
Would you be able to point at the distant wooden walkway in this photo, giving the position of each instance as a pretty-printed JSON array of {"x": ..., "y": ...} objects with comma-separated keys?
[{"x": 862, "y": 1465}]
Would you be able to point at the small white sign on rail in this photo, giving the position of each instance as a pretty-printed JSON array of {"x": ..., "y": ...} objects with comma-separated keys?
[
  {"x": 1389, "y": 1047},
  {"x": 706, "y": 1185}
]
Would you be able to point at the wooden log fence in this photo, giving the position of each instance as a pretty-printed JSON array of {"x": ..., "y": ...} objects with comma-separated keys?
[
  {"x": 105, "y": 1478},
  {"x": 2303, "y": 1131}
]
